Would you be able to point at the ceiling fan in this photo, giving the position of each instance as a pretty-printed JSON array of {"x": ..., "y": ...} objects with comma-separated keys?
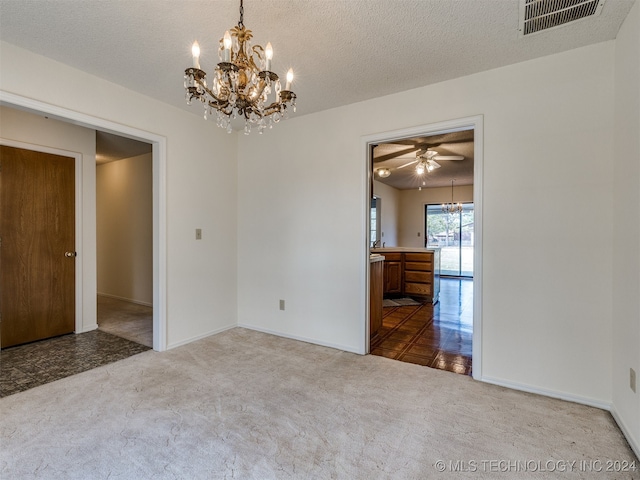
[{"x": 426, "y": 161}]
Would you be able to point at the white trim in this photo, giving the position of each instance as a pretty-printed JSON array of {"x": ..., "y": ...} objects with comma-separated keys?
[
  {"x": 79, "y": 326},
  {"x": 312, "y": 341},
  {"x": 200, "y": 337},
  {"x": 478, "y": 195},
  {"x": 476, "y": 123},
  {"x": 159, "y": 148},
  {"x": 635, "y": 446},
  {"x": 124, "y": 299},
  {"x": 159, "y": 174},
  {"x": 88, "y": 328},
  {"x": 592, "y": 402}
]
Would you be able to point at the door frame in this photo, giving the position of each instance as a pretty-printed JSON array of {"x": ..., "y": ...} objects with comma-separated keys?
[
  {"x": 476, "y": 123},
  {"x": 159, "y": 173},
  {"x": 78, "y": 214}
]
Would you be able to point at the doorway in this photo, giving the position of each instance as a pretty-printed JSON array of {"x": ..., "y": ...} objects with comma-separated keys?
[
  {"x": 85, "y": 272},
  {"x": 407, "y": 137},
  {"x": 124, "y": 237}
]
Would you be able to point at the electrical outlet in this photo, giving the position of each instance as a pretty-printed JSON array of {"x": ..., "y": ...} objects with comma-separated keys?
[
  {"x": 632, "y": 379},
  {"x": 198, "y": 234},
  {"x": 281, "y": 304}
]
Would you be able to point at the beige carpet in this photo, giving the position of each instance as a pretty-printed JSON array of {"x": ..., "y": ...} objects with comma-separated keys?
[{"x": 247, "y": 405}]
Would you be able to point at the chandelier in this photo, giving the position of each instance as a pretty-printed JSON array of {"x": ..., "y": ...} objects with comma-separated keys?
[
  {"x": 242, "y": 83},
  {"x": 451, "y": 207}
]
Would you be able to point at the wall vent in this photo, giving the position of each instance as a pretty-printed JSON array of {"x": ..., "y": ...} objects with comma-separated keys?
[{"x": 539, "y": 15}]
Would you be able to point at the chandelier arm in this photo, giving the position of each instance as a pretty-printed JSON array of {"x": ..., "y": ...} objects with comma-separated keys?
[
  {"x": 273, "y": 108},
  {"x": 280, "y": 104},
  {"x": 210, "y": 93}
]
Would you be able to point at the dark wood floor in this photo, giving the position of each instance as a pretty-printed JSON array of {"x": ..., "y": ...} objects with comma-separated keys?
[{"x": 437, "y": 336}]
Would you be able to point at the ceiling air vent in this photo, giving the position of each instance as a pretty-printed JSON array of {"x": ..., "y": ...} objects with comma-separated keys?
[{"x": 539, "y": 15}]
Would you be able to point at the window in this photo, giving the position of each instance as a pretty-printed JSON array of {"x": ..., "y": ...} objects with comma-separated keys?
[
  {"x": 375, "y": 221},
  {"x": 454, "y": 234}
]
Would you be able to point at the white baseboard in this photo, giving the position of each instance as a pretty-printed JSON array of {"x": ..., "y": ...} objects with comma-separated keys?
[
  {"x": 548, "y": 393},
  {"x": 88, "y": 328},
  {"x": 571, "y": 398},
  {"x": 130, "y": 300},
  {"x": 302, "y": 339},
  {"x": 633, "y": 442},
  {"x": 200, "y": 337}
]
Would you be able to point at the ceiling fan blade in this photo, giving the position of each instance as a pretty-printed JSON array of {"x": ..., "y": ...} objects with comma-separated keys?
[
  {"x": 391, "y": 156},
  {"x": 433, "y": 164},
  {"x": 448, "y": 157},
  {"x": 406, "y": 164}
]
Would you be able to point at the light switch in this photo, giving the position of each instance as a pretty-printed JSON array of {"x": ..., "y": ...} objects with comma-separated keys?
[{"x": 198, "y": 234}]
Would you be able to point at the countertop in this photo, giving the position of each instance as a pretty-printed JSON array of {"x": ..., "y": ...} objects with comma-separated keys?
[
  {"x": 375, "y": 257},
  {"x": 402, "y": 250}
]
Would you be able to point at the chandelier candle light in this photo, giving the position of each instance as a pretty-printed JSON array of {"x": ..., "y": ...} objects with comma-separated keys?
[{"x": 242, "y": 83}]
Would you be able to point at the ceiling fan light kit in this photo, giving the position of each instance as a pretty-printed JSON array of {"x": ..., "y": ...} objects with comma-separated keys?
[
  {"x": 242, "y": 83},
  {"x": 383, "y": 172}
]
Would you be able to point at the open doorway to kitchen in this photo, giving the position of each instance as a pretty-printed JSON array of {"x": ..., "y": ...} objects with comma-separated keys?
[{"x": 427, "y": 318}]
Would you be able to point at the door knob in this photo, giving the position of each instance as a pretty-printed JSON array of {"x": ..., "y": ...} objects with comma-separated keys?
[{"x": 70, "y": 254}]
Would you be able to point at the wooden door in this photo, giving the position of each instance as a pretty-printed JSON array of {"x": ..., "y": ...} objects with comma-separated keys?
[{"x": 37, "y": 250}]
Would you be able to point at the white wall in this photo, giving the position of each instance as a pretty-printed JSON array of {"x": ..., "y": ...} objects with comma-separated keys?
[
  {"x": 32, "y": 129},
  {"x": 626, "y": 228},
  {"x": 390, "y": 213},
  {"x": 201, "y": 185},
  {"x": 412, "y": 203},
  {"x": 547, "y": 281},
  {"x": 124, "y": 203}
]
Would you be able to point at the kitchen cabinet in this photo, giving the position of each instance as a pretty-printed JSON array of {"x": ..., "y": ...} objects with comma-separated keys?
[
  {"x": 419, "y": 274},
  {"x": 376, "y": 264},
  {"x": 412, "y": 273},
  {"x": 393, "y": 273}
]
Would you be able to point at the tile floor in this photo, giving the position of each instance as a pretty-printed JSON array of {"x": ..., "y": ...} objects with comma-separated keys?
[
  {"x": 437, "y": 336},
  {"x": 125, "y": 329},
  {"x": 34, "y": 364}
]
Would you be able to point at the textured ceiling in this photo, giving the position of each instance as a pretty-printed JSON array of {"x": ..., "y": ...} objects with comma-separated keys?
[
  {"x": 399, "y": 157},
  {"x": 342, "y": 51}
]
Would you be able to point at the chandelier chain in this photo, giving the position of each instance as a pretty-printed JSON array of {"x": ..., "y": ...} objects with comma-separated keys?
[{"x": 241, "y": 22}]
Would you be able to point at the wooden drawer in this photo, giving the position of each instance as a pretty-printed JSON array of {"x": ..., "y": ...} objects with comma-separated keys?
[
  {"x": 417, "y": 288},
  {"x": 419, "y": 257},
  {"x": 392, "y": 257},
  {"x": 421, "y": 277},
  {"x": 420, "y": 266}
]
